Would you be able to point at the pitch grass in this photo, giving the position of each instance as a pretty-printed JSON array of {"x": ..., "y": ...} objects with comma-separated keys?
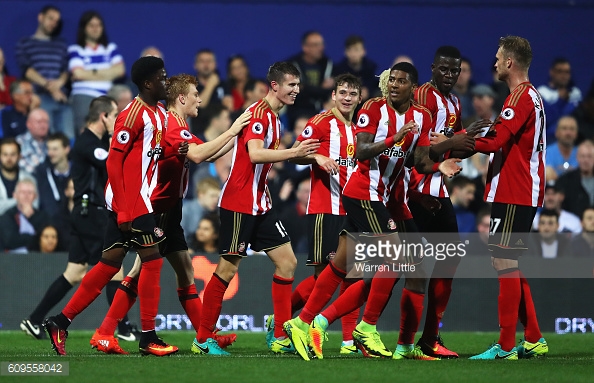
[{"x": 571, "y": 358}]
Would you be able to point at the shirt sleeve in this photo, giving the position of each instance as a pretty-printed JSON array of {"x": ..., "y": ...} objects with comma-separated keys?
[
  {"x": 367, "y": 119},
  {"x": 256, "y": 129},
  {"x": 75, "y": 59},
  {"x": 426, "y": 128}
]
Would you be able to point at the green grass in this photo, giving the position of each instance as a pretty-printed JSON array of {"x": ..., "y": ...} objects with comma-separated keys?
[{"x": 571, "y": 358}]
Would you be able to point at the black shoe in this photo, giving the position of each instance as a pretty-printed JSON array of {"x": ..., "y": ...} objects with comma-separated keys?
[
  {"x": 132, "y": 334},
  {"x": 33, "y": 329}
]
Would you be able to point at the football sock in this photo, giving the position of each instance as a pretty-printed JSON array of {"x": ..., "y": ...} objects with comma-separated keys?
[
  {"x": 54, "y": 294},
  {"x": 349, "y": 320},
  {"x": 90, "y": 287},
  {"x": 211, "y": 307},
  {"x": 123, "y": 301},
  {"x": 149, "y": 290},
  {"x": 381, "y": 290},
  {"x": 411, "y": 310},
  {"x": 438, "y": 293},
  {"x": 110, "y": 291},
  {"x": 324, "y": 288},
  {"x": 527, "y": 313},
  {"x": 190, "y": 301},
  {"x": 281, "y": 303},
  {"x": 302, "y": 293},
  {"x": 352, "y": 299},
  {"x": 510, "y": 294}
]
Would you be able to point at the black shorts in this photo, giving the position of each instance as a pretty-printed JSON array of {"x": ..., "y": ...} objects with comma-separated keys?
[
  {"x": 86, "y": 235},
  {"x": 367, "y": 217},
  {"x": 171, "y": 224},
  {"x": 262, "y": 232},
  {"x": 440, "y": 221},
  {"x": 509, "y": 229},
  {"x": 145, "y": 233},
  {"x": 323, "y": 230}
]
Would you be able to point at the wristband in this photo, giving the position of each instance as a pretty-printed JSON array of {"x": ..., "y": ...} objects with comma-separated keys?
[
  {"x": 389, "y": 141},
  {"x": 435, "y": 167}
]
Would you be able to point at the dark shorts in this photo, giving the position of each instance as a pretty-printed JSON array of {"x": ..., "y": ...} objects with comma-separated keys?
[
  {"x": 171, "y": 224},
  {"x": 86, "y": 236},
  {"x": 145, "y": 233},
  {"x": 509, "y": 229},
  {"x": 367, "y": 217},
  {"x": 238, "y": 230},
  {"x": 323, "y": 230},
  {"x": 440, "y": 221}
]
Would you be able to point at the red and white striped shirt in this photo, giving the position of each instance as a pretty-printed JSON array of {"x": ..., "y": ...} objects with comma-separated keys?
[
  {"x": 132, "y": 165},
  {"x": 446, "y": 113},
  {"x": 337, "y": 141},
  {"x": 174, "y": 170},
  {"x": 373, "y": 178},
  {"x": 398, "y": 202},
  {"x": 517, "y": 165},
  {"x": 246, "y": 188}
]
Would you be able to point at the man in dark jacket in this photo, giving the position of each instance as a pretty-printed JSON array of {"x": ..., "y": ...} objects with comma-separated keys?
[{"x": 578, "y": 184}]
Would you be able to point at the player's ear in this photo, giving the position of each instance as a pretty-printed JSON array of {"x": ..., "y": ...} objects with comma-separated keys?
[
  {"x": 274, "y": 85},
  {"x": 334, "y": 95},
  {"x": 182, "y": 99}
]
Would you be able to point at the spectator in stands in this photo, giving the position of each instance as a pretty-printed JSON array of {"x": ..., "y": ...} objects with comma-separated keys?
[
  {"x": 481, "y": 163},
  {"x": 549, "y": 243},
  {"x": 52, "y": 175},
  {"x": 463, "y": 86},
  {"x": 582, "y": 245},
  {"x": 578, "y": 184},
  {"x": 22, "y": 222},
  {"x": 402, "y": 59},
  {"x": 43, "y": 60},
  {"x": 94, "y": 63},
  {"x": 584, "y": 115},
  {"x": 151, "y": 51},
  {"x": 316, "y": 76},
  {"x": 217, "y": 119},
  {"x": 13, "y": 118},
  {"x": 562, "y": 155},
  {"x": 253, "y": 91},
  {"x": 5, "y": 81},
  {"x": 122, "y": 94},
  {"x": 47, "y": 241},
  {"x": 210, "y": 87},
  {"x": 10, "y": 172},
  {"x": 560, "y": 96},
  {"x": 462, "y": 194},
  {"x": 356, "y": 62},
  {"x": 553, "y": 200},
  {"x": 238, "y": 75},
  {"x": 62, "y": 220},
  {"x": 294, "y": 218},
  {"x": 207, "y": 194},
  {"x": 205, "y": 238},
  {"x": 33, "y": 149},
  {"x": 478, "y": 244}
]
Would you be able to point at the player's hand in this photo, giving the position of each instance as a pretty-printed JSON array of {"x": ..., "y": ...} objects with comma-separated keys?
[
  {"x": 328, "y": 164},
  {"x": 307, "y": 147},
  {"x": 125, "y": 226},
  {"x": 430, "y": 203},
  {"x": 462, "y": 142},
  {"x": 183, "y": 148},
  {"x": 450, "y": 167},
  {"x": 478, "y": 127},
  {"x": 240, "y": 123},
  {"x": 437, "y": 138},
  {"x": 410, "y": 126}
]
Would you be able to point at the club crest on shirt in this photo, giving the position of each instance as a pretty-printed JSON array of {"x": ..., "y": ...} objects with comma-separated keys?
[
  {"x": 185, "y": 134},
  {"x": 257, "y": 128},
  {"x": 241, "y": 247},
  {"x": 307, "y": 132},
  {"x": 363, "y": 120},
  {"x": 507, "y": 113},
  {"x": 158, "y": 232},
  {"x": 391, "y": 224},
  {"x": 123, "y": 137}
]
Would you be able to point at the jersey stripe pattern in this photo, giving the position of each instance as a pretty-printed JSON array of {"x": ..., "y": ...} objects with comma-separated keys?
[
  {"x": 137, "y": 135},
  {"x": 446, "y": 113},
  {"x": 246, "y": 188},
  {"x": 398, "y": 203},
  {"x": 337, "y": 142},
  {"x": 174, "y": 170},
  {"x": 373, "y": 178},
  {"x": 517, "y": 171}
]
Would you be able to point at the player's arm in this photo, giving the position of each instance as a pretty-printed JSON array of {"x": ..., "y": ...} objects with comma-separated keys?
[
  {"x": 493, "y": 142},
  {"x": 367, "y": 149},
  {"x": 461, "y": 142},
  {"x": 326, "y": 163},
  {"x": 260, "y": 155},
  {"x": 423, "y": 162}
]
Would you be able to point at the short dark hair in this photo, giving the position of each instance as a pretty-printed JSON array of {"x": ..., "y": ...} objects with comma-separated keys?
[
  {"x": 447, "y": 51},
  {"x": 278, "y": 70},
  {"x": 144, "y": 68},
  {"x": 213, "y": 111},
  {"x": 349, "y": 79},
  {"x": 250, "y": 85},
  {"x": 204, "y": 50},
  {"x": 85, "y": 18},
  {"x": 10, "y": 141},
  {"x": 559, "y": 60},
  {"x": 50, "y": 7},
  {"x": 99, "y": 105},
  {"x": 353, "y": 40},
  {"x": 466, "y": 60},
  {"x": 413, "y": 73},
  {"x": 518, "y": 48},
  {"x": 307, "y": 34},
  {"x": 549, "y": 213},
  {"x": 59, "y": 136},
  {"x": 484, "y": 211},
  {"x": 460, "y": 182}
]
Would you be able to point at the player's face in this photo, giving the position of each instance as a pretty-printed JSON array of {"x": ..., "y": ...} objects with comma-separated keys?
[
  {"x": 445, "y": 73},
  {"x": 501, "y": 65},
  {"x": 547, "y": 226},
  {"x": 94, "y": 29},
  {"x": 400, "y": 87},
  {"x": 288, "y": 89},
  {"x": 193, "y": 101},
  {"x": 346, "y": 98},
  {"x": 159, "y": 85},
  {"x": 110, "y": 119}
]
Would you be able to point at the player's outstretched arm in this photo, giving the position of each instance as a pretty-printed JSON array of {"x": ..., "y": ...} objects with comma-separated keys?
[
  {"x": 493, "y": 142},
  {"x": 462, "y": 142},
  {"x": 260, "y": 155},
  {"x": 326, "y": 163},
  {"x": 367, "y": 149},
  {"x": 426, "y": 165}
]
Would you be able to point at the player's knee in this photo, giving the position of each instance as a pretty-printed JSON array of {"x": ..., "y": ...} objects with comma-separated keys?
[
  {"x": 504, "y": 263},
  {"x": 416, "y": 284}
]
